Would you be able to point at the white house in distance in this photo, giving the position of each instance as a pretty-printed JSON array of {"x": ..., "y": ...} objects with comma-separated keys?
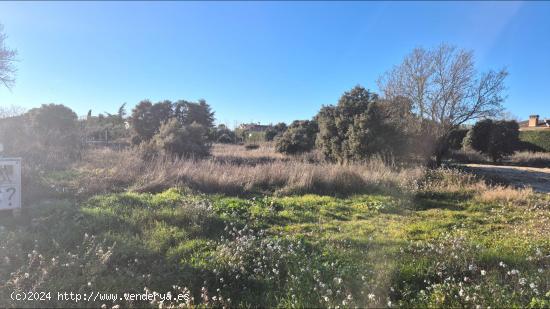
[{"x": 534, "y": 123}]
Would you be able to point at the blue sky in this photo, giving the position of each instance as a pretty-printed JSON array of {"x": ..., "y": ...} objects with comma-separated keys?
[{"x": 259, "y": 61}]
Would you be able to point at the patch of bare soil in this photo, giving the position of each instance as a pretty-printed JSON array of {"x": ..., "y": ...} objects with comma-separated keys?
[{"x": 536, "y": 177}]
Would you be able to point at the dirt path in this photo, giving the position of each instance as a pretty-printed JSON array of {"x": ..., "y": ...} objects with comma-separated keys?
[{"x": 519, "y": 176}]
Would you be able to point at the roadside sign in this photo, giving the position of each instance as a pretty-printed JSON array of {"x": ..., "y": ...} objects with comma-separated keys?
[{"x": 10, "y": 183}]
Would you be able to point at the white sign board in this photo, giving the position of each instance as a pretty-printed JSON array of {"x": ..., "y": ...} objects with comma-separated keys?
[{"x": 10, "y": 183}]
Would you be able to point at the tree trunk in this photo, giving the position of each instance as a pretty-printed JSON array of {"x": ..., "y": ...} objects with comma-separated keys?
[
  {"x": 441, "y": 148},
  {"x": 438, "y": 159}
]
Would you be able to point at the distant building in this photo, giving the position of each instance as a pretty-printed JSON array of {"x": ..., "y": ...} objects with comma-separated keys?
[
  {"x": 253, "y": 127},
  {"x": 535, "y": 123}
]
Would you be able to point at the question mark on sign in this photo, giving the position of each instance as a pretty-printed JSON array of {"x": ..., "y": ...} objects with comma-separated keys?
[{"x": 11, "y": 195}]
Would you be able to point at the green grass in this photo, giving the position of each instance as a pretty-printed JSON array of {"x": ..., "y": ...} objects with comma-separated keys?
[
  {"x": 537, "y": 139},
  {"x": 308, "y": 250}
]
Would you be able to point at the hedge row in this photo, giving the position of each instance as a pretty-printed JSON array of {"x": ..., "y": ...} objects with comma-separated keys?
[{"x": 535, "y": 140}]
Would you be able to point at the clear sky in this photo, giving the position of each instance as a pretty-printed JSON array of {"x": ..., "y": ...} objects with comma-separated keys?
[{"x": 259, "y": 61}]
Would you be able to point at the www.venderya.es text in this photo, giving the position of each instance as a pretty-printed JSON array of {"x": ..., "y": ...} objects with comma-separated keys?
[{"x": 98, "y": 296}]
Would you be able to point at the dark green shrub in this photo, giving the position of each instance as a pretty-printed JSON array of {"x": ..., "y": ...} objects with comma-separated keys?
[
  {"x": 225, "y": 139},
  {"x": 479, "y": 136},
  {"x": 222, "y": 134},
  {"x": 275, "y": 131},
  {"x": 371, "y": 133},
  {"x": 356, "y": 128},
  {"x": 298, "y": 138},
  {"x": 16, "y": 136},
  {"x": 54, "y": 126},
  {"x": 190, "y": 112},
  {"x": 336, "y": 121},
  {"x": 47, "y": 136},
  {"x": 456, "y": 137},
  {"x": 147, "y": 117},
  {"x": 177, "y": 139},
  {"x": 54, "y": 132},
  {"x": 493, "y": 138},
  {"x": 270, "y": 134}
]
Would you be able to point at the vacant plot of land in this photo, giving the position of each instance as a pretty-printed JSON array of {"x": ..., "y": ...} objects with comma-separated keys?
[
  {"x": 537, "y": 178},
  {"x": 400, "y": 237}
]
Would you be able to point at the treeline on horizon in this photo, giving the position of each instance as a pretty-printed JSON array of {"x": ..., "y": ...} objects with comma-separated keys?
[{"x": 419, "y": 116}]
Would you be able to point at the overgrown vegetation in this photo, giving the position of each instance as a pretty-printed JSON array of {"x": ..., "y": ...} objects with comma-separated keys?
[
  {"x": 493, "y": 138},
  {"x": 440, "y": 89},
  {"x": 180, "y": 128},
  {"x": 357, "y": 128},
  {"x": 248, "y": 172},
  {"x": 175, "y": 139},
  {"x": 299, "y": 137},
  {"x": 338, "y": 211},
  {"x": 451, "y": 240},
  {"x": 518, "y": 158},
  {"x": 47, "y": 135}
]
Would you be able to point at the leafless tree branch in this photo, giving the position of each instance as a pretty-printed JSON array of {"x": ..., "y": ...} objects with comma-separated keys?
[
  {"x": 7, "y": 60},
  {"x": 444, "y": 86}
]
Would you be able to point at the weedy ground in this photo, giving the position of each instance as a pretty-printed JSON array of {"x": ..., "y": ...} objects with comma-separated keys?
[
  {"x": 445, "y": 239},
  {"x": 518, "y": 158}
]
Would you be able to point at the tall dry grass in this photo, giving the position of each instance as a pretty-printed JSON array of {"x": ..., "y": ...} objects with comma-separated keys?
[
  {"x": 467, "y": 156},
  {"x": 455, "y": 181},
  {"x": 505, "y": 194},
  {"x": 235, "y": 172},
  {"x": 527, "y": 158},
  {"x": 520, "y": 158},
  {"x": 264, "y": 150}
]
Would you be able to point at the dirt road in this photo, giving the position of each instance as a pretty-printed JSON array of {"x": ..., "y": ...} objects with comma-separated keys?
[{"x": 535, "y": 177}]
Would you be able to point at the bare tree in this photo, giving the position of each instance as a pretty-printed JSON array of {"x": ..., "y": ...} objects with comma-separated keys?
[
  {"x": 11, "y": 111},
  {"x": 444, "y": 90},
  {"x": 7, "y": 58}
]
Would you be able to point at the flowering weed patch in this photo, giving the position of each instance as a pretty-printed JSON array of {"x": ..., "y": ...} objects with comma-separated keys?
[{"x": 441, "y": 246}]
